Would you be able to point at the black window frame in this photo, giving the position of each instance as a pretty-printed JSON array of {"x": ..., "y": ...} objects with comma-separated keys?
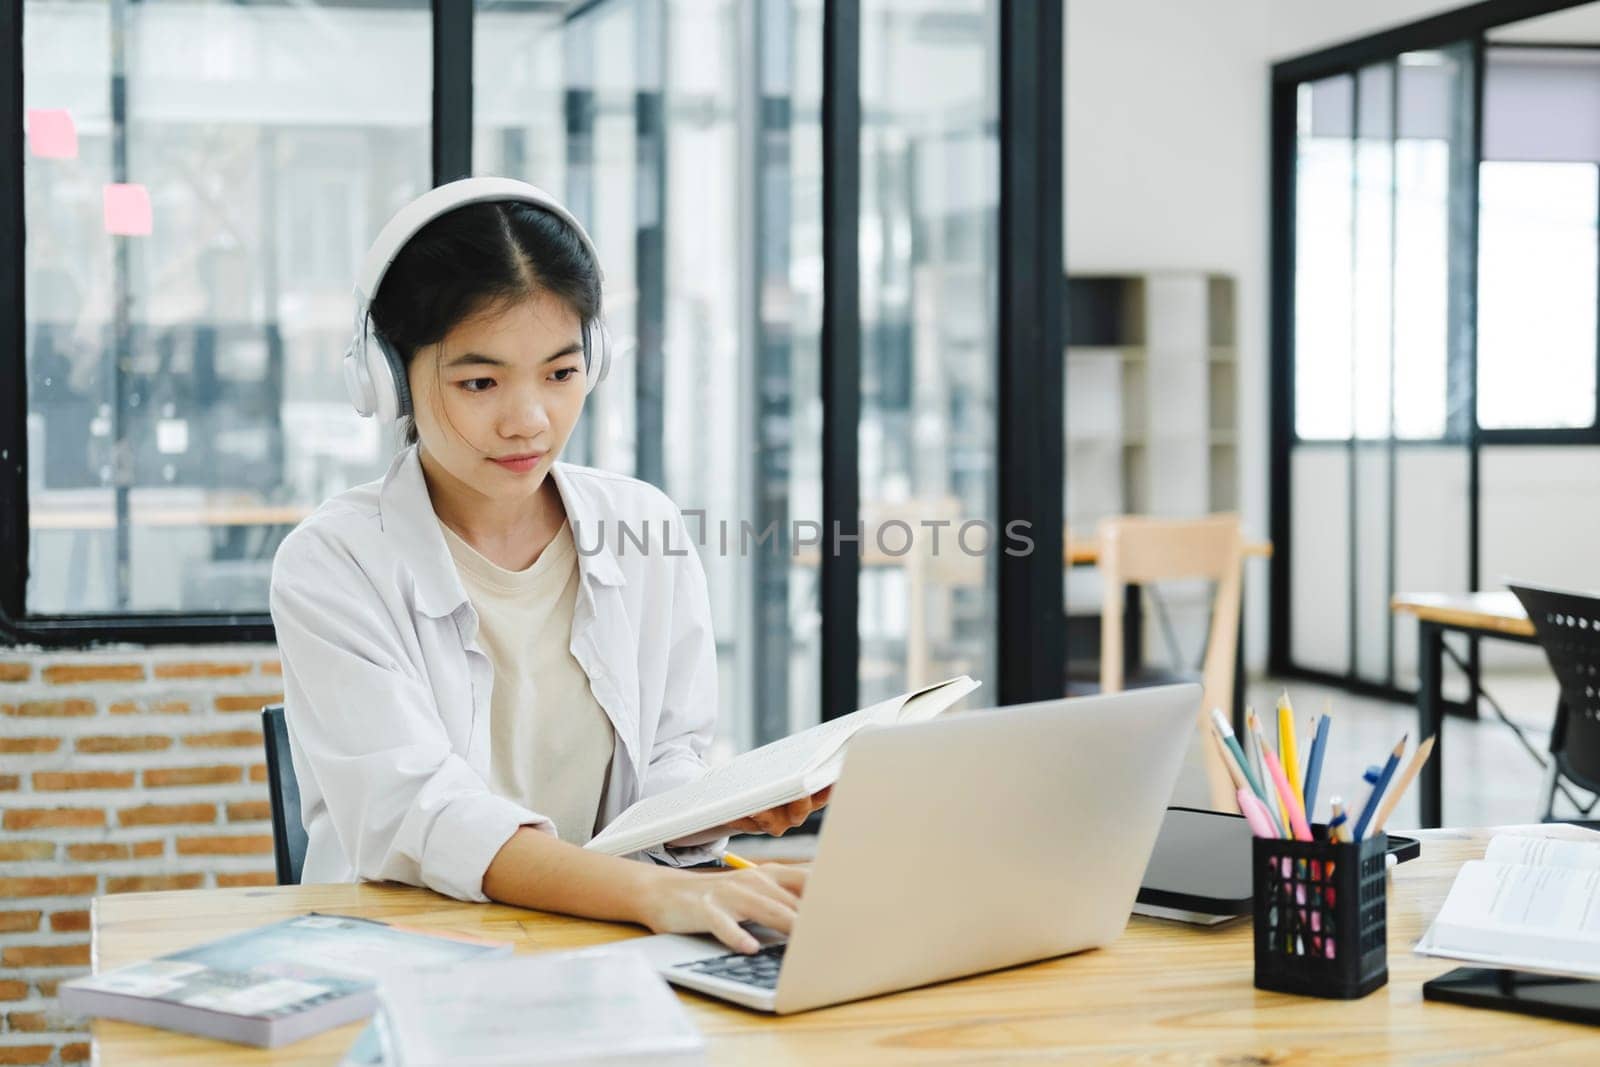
[
  {"x": 1467, "y": 25},
  {"x": 1031, "y": 331}
]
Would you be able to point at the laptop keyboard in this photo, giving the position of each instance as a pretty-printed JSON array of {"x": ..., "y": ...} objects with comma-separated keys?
[{"x": 759, "y": 970}]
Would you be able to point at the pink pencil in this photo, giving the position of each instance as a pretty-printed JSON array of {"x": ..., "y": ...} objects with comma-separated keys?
[
  {"x": 1297, "y": 814},
  {"x": 1255, "y": 813}
]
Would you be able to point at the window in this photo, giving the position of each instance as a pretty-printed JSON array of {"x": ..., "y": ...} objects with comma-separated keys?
[
  {"x": 200, "y": 181},
  {"x": 929, "y": 262},
  {"x": 1372, "y": 185},
  {"x": 1538, "y": 279},
  {"x": 1538, "y": 247},
  {"x": 1376, "y": 344},
  {"x": 1437, "y": 248},
  {"x": 1324, "y": 247},
  {"x": 717, "y": 307},
  {"x": 189, "y": 256}
]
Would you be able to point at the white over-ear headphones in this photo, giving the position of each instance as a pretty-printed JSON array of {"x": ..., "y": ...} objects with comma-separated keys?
[{"x": 374, "y": 373}]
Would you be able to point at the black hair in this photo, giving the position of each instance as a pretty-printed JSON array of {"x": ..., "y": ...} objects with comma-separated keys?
[{"x": 472, "y": 260}]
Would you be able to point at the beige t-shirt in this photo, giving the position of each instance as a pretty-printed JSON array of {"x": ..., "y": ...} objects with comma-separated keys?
[{"x": 551, "y": 740}]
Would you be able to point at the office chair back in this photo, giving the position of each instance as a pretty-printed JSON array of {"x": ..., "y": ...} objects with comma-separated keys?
[
  {"x": 1137, "y": 550},
  {"x": 1568, "y": 628},
  {"x": 288, "y": 832}
]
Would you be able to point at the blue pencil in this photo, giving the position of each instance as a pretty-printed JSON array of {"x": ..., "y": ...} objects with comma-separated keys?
[
  {"x": 1319, "y": 745},
  {"x": 1382, "y": 783}
]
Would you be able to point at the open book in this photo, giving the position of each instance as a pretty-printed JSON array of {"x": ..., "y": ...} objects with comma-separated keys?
[
  {"x": 1531, "y": 903},
  {"x": 779, "y": 773}
]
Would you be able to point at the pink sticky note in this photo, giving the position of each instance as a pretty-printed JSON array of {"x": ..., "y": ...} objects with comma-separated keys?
[
  {"x": 51, "y": 134},
  {"x": 127, "y": 210}
]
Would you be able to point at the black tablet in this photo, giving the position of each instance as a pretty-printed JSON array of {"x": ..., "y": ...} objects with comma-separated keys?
[
  {"x": 1199, "y": 870},
  {"x": 1552, "y": 996}
]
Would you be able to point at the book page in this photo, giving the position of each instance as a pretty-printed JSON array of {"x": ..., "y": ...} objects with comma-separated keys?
[
  {"x": 1543, "y": 852},
  {"x": 1543, "y": 918},
  {"x": 763, "y": 777},
  {"x": 923, "y": 704}
]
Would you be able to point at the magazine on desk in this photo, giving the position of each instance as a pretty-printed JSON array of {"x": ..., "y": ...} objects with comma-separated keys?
[
  {"x": 779, "y": 773},
  {"x": 271, "y": 985},
  {"x": 1531, "y": 903}
]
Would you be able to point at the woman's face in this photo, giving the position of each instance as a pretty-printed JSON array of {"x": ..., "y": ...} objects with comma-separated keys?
[{"x": 497, "y": 399}]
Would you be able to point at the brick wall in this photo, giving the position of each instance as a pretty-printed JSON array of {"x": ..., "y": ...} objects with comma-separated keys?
[{"x": 120, "y": 771}]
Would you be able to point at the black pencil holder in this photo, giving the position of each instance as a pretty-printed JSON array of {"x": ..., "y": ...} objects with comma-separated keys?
[{"x": 1321, "y": 916}]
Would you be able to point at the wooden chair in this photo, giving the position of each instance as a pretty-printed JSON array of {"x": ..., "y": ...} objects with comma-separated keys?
[
  {"x": 931, "y": 580},
  {"x": 1136, "y": 550}
]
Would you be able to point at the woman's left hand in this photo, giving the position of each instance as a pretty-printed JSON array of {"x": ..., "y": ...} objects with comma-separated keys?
[{"x": 776, "y": 821}]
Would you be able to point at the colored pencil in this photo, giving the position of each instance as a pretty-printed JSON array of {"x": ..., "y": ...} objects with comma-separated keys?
[
  {"x": 1230, "y": 744},
  {"x": 1398, "y": 790},
  {"x": 1260, "y": 740},
  {"x": 1288, "y": 753},
  {"x": 1319, "y": 746},
  {"x": 1297, "y": 816},
  {"x": 1384, "y": 777}
]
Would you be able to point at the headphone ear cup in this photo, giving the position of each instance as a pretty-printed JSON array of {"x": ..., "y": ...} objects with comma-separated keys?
[
  {"x": 596, "y": 353},
  {"x": 392, "y": 393},
  {"x": 397, "y": 374},
  {"x": 357, "y": 384}
]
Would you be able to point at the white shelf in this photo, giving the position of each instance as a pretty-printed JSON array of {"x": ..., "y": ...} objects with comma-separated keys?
[{"x": 1162, "y": 409}]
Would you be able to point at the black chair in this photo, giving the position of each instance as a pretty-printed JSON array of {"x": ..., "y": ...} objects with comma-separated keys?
[
  {"x": 1568, "y": 627},
  {"x": 288, "y": 832}
]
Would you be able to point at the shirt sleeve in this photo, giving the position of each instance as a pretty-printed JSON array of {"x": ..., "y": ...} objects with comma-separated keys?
[
  {"x": 689, "y": 699},
  {"x": 404, "y": 806}
]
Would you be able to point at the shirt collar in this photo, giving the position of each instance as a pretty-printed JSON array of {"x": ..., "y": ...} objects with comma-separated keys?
[{"x": 407, "y": 516}]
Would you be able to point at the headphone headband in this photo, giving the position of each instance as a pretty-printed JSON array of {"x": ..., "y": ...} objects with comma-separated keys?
[
  {"x": 375, "y": 376},
  {"x": 446, "y": 198}
]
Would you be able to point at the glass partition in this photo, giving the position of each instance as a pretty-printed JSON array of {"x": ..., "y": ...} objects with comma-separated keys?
[
  {"x": 201, "y": 184},
  {"x": 929, "y": 211}
]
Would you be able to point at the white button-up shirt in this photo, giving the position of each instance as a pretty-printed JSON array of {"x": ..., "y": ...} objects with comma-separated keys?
[{"x": 386, "y": 692}]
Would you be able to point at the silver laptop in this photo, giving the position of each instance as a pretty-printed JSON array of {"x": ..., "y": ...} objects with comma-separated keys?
[{"x": 968, "y": 843}]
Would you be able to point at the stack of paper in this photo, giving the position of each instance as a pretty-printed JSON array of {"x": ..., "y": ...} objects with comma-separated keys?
[{"x": 597, "y": 1006}]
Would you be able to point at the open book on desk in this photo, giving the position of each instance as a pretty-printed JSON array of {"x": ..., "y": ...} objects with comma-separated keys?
[
  {"x": 779, "y": 773},
  {"x": 1531, "y": 903}
]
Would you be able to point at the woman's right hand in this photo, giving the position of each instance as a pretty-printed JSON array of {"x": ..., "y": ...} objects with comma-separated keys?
[{"x": 691, "y": 902}]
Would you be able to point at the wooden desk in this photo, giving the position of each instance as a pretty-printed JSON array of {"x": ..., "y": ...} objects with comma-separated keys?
[
  {"x": 1163, "y": 993},
  {"x": 1492, "y": 614}
]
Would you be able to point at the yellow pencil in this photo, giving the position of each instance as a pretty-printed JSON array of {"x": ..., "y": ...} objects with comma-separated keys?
[
  {"x": 1287, "y": 752},
  {"x": 738, "y": 863}
]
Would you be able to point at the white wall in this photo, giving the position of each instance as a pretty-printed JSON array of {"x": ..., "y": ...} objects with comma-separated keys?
[
  {"x": 1167, "y": 168},
  {"x": 1166, "y": 150},
  {"x": 1295, "y": 27}
]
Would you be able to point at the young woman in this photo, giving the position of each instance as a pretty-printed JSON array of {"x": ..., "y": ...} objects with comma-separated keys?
[{"x": 477, "y": 676}]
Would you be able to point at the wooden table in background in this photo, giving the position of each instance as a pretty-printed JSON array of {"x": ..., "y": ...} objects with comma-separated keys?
[
  {"x": 1494, "y": 614},
  {"x": 220, "y": 515},
  {"x": 1163, "y": 993},
  {"x": 1086, "y": 553}
]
